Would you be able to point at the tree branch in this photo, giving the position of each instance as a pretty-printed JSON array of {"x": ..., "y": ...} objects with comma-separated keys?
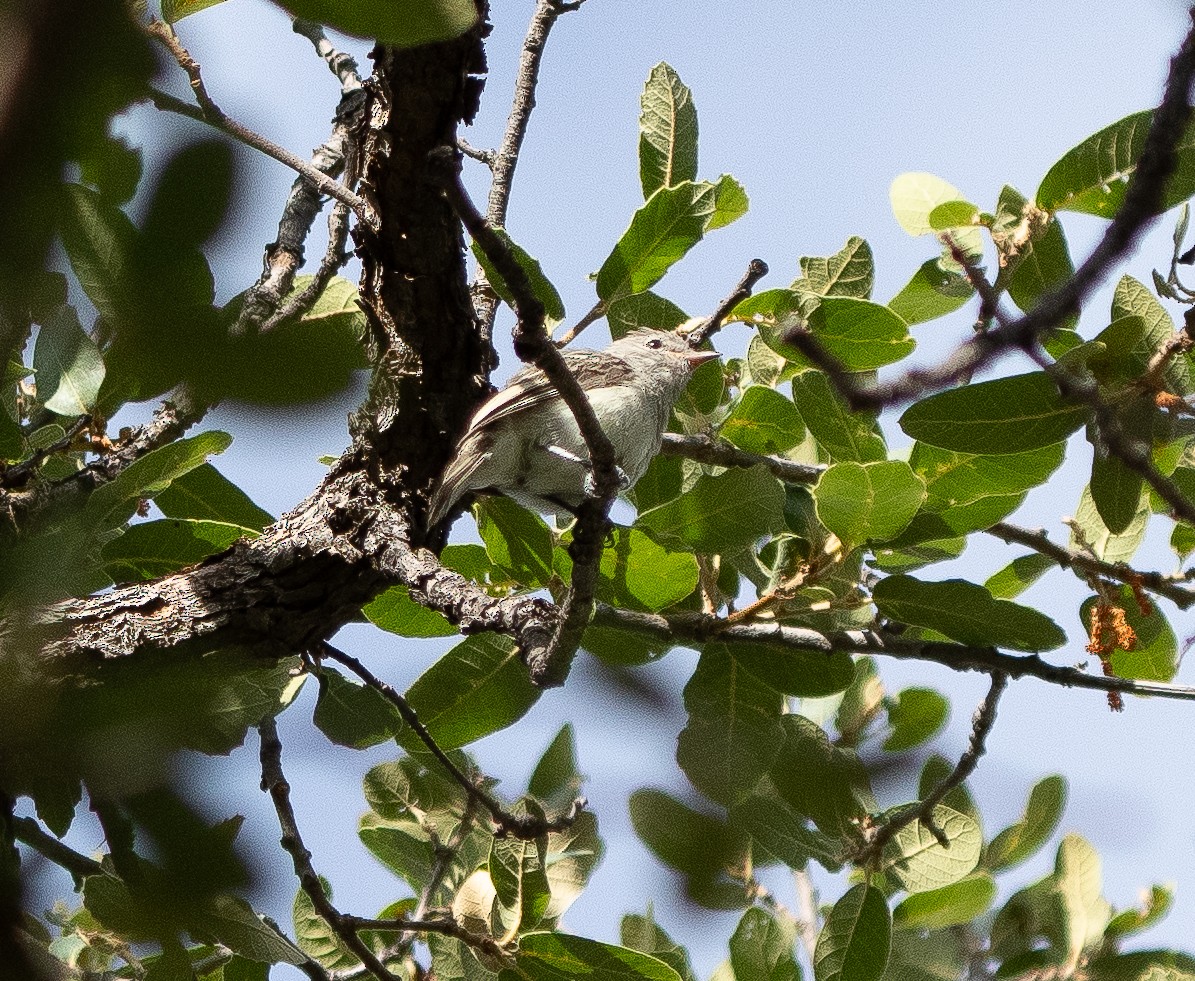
[
  {"x": 981, "y": 726},
  {"x": 1141, "y": 204},
  {"x": 697, "y": 628},
  {"x": 505, "y": 158},
  {"x": 534, "y": 345},
  {"x": 208, "y": 112},
  {"x": 756, "y": 270},
  {"x": 273, "y": 782},
  {"x": 78, "y": 865},
  {"x": 523, "y": 826}
]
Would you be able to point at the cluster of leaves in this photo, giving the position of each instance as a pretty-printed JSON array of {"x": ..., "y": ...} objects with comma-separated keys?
[{"x": 782, "y": 744}]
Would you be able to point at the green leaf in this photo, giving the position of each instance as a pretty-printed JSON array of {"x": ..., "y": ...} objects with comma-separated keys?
[
  {"x": 860, "y": 334},
  {"x": 849, "y": 272},
  {"x": 554, "y": 956},
  {"x": 932, "y": 292},
  {"x": 1085, "y": 912},
  {"x": 516, "y": 868},
  {"x": 915, "y": 196},
  {"x": 864, "y": 502},
  {"x": 401, "y": 23},
  {"x": 478, "y": 687},
  {"x": 404, "y": 847},
  {"x": 671, "y": 222},
  {"x": 206, "y": 494},
  {"x": 191, "y": 197},
  {"x": 720, "y": 514},
  {"x": 114, "y": 503},
  {"x": 555, "y": 780},
  {"x": 1115, "y": 491},
  {"x": 99, "y": 241},
  {"x": 175, "y": 10},
  {"x": 636, "y": 573},
  {"x": 1006, "y": 415},
  {"x": 1092, "y": 177},
  {"x": 680, "y": 837},
  {"x": 953, "y": 214},
  {"x": 517, "y": 541},
  {"x": 841, "y": 433},
  {"x": 1033, "y": 252},
  {"x": 730, "y": 203},
  {"x": 916, "y": 859},
  {"x": 573, "y": 855},
  {"x": 316, "y": 936},
  {"x": 761, "y": 948},
  {"x": 667, "y": 131},
  {"x": 394, "y": 611},
  {"x": 411, "y": 787},
  {"x": 113, "y": 167},
  {"x": 777, "y": 828},
  {"x": 763, "y": 421},
  {"x": 69, "y": 366},
  {"x": 969, "y": 492},
  {"x": 1133, "y": 298},
  {"x": 915, "y": 715},
  {"x": 953, "y": 905},
  {"x": 967, "y": 613},
  {"x": 541, "y": 286},
  {"x": 1153, "y": 910},
  {"x": 1154, "y": 656},
  {"x": 1145, "y": 965},
  {"x": 155, "y": 548},
  {"x": 857, "y": 937},
  {"x": 733, "y": 733},
  {"x": 1102, "y": 542},
  {"x": 353, "y": 715},
  {"x": 1021, "y": 573},
  {"x": 231, "y": 920},
  {"x": 824, "y": 782},
  {"x": 806, "y": 674},
  {"x": 643, "y": 310},
  {"x": 1022, "y": 840},
  {"x": 642, "y": 933}
]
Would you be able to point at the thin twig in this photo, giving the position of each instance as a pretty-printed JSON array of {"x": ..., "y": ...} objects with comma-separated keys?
[
  {"x": 705, "y": 449},
  {"x": 208, "y": 112},
  {"x": 756, "y": 270},
  {"x": 18, "y": 474},
  {"x": 806, "y": 921},
  {"x": 78, "y": 865},
  {"x": 273, "y": 781},
  {"x": 533, "y": 344},
  {"x": 505, "y": 158},
  {"x": 443, "y": 925},
  {"x": 523, "y": 826},
  {"x": 1086, "y": 564},
  {"x": 1142, "y": 201},
  {"x": 596, "y": 312},
  {"x": 340, "y": 63},
  {"x": 981, "y": 725},
  {"x": 687, "y": 628}
]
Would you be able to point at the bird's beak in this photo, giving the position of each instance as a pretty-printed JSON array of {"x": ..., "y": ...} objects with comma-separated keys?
[{"x": 696, "y": 358}]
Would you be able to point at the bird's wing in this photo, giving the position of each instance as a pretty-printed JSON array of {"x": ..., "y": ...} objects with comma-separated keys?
[{"x": 530, "y": 386}]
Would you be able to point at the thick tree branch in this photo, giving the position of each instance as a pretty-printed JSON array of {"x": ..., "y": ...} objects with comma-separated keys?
[
  {"x": 534, "y": 345},
  {"x": 698, "y": 628}
]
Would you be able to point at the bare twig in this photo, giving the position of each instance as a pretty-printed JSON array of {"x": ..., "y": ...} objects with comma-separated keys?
[
  {"x": 1087, "y": 565},
  {"x": 79, "y": 866},
  {"x": 208, "y": 112},
  {"x": 442, "y": 924},
  {"x": 756, "y": 270},
  {"x": 505, "y": 158},
  {"x": 340, "y": 63},
  {"x": 1141, "y": 204},
  {"x": 688, "y": 628},
  {"x": 532, "y": 344},
  {"x": 705, "y": 449},
  {"x": 523, "y": 826},
  {"x": 981, "y": 725},
  {"x": 18, "y": 474},
  {"x": 807, "y": 924},
  {"x": 596, "y": 312},
  {"x": 273, "y": 782}
]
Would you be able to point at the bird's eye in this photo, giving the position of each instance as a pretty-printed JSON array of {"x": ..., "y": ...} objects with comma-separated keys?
[{"x": 655, "y": 343}]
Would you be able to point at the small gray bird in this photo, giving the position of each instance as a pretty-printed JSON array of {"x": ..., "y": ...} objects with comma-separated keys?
[{"x": 524, "y": 442}]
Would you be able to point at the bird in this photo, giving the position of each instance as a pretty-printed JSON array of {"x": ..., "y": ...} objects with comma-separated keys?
[{"x": 523, "y": 441}]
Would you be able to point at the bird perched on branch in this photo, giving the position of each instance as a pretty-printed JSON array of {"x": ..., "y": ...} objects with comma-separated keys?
[{"x": 524, "y": 442}]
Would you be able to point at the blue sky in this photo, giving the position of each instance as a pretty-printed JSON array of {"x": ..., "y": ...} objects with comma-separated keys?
[{"x": 815, "y": 108}]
